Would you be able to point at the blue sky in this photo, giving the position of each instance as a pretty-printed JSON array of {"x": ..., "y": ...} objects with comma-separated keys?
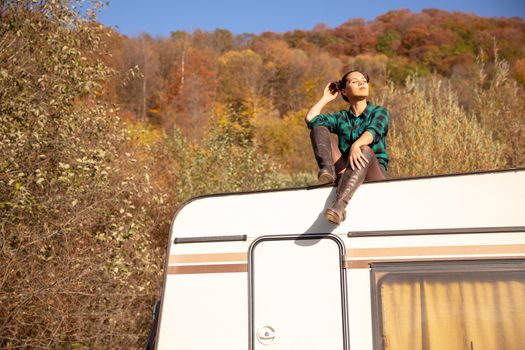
[{"x": 160, "y": 17}]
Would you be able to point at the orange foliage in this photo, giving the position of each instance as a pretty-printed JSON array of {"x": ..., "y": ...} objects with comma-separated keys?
[
  {"x": 188, "y": 75},
  {"x": 519, "y": 71}
]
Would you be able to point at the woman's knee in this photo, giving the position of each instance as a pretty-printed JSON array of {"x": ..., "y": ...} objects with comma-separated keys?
[
  {"x": 320, "y": 129},
  {"x": 365, "y": 149}
]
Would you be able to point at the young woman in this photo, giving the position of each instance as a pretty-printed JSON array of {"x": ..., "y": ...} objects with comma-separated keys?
[{"x": 359, "y": 153}]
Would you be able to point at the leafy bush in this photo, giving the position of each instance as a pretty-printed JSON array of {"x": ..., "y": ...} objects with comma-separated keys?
[
  {"x": 432, "y": 134},
  {"x": 79, "y": 267},
  {"x": 220, "y": 164},
  {"x": 498, "y": 104}
]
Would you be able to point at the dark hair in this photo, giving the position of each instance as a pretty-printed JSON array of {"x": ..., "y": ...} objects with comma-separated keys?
[{"x": 337, "y": 86}]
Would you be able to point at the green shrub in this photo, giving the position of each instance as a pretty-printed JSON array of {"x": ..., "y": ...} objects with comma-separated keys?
[{"x": 432, "y": 134}]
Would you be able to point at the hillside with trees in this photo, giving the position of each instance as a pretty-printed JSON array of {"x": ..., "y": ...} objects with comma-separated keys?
[
  {"x": 104, "y": 136},
  {"x": 260, "y": 85}
]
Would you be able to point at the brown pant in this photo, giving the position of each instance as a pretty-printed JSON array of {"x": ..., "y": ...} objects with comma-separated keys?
[{"x": 375, "y": 172}]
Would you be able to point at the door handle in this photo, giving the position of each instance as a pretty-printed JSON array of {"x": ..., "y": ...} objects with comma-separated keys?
[{"x": 265, "y": 335}]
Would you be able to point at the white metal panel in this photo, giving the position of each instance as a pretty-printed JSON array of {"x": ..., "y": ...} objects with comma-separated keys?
[
  {"x": 359, "y": 308},
  {"x": 297, "y": 291},
  {"x": 210, "y": 247},
  {"x": 435, "y": 240},
  {"x": 205, "y": 311},
  {"x": 477, "y": 200}
]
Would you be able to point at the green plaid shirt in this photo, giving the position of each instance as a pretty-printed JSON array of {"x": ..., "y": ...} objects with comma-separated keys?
[{"x": 349, "y": 128}]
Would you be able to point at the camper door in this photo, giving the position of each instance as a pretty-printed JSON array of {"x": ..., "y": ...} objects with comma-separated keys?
[{"x": 297, "y": 293}]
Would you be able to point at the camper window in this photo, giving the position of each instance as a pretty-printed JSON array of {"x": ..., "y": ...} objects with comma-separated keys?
[{"x": 444, "y": 305}]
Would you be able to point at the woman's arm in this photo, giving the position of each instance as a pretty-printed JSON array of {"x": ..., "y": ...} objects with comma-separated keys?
[
  {"x": 377, "y": 129},
  {"x": 328, "y": 96}
]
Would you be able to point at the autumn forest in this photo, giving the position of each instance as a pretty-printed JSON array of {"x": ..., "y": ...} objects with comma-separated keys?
[{"x": 103, "y": 137}]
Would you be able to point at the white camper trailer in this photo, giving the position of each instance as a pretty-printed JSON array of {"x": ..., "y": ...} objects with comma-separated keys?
[{"x": 420, "y": 263}]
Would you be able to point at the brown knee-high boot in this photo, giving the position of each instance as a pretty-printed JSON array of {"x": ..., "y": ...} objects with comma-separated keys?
[
  {"x": 320, "y": 136},
  {"x": 346, "y": 188}
]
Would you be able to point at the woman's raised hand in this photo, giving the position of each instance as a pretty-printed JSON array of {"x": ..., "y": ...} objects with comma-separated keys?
[
  {"x": 328, "y": 95},
  {"x": 316, "y": 109}
]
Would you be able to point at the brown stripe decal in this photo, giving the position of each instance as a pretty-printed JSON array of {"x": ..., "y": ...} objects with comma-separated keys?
[
  {"x": 191, "y": 269},
  {"x": 355, "y": 258}
]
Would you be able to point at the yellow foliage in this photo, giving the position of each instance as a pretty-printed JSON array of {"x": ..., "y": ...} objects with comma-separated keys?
[
  {"x": 239, "y": 57},
  {"x": 240, "y": 74},
  {"x": 144, "y": 134},
  {"x": 287, "y": 140}
]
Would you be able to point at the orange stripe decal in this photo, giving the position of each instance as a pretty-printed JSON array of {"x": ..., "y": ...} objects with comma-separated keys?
[
  {"x": 193, "y": 269},
  {"x": 355, "y": 257},
  {"x": 202, "y": 258}
]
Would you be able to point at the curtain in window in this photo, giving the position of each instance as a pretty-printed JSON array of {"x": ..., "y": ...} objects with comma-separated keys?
[{"x": 453, "y": 311}]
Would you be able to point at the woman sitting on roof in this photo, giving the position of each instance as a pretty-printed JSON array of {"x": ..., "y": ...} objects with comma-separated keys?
[{"x": 349, "y": 145}]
